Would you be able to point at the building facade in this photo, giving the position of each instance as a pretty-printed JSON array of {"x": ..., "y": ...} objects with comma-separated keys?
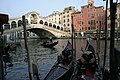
[
  {"x": 89, "y": 19},
  {"x": 117, "y": 21},
  {"x": 63, "y": 18},
  {"x": 36, "y": 26},
  {"x": 77, "y": 22},
  {"x": 92, "y": 18}
]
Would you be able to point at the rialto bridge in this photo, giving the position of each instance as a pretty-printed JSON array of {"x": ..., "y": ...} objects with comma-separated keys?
[{"x": 36, "y": 26}]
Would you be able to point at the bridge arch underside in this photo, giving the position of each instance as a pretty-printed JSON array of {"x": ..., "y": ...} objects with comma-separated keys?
[{"x": 42, "y": 33}]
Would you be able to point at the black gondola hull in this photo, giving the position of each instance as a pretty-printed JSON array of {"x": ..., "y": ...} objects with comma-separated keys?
[
  {"x": 60, "y": 71},
  {"x": 50, "y": 45},
  {"x": 67, "y": 75}
]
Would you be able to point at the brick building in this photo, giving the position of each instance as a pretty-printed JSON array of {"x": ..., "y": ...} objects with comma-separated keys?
[
  {"x": 117, "y": 21},
  {"x": 90, "y": 18},
  {"x": 76, "y": 22}
]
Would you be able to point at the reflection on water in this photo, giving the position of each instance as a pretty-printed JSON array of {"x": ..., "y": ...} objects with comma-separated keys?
[{"x": 45, "y": 57}]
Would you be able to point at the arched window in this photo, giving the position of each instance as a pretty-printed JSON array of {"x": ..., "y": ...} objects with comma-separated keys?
[
  {"x": 34, "y": 19},
  {"x": 7, "y": 26},
  {"x": 41, "y": 22},
  {"x": 28, "y": 34},
  {"x": 46, "y": 23},
  {"x": 20, "y": 35},
  {"x": 19, "y": 23},
  {"x": 61, "y": 28},
  {"x": 85, "y": 28},
  {"x": 54, "y": 26},
  {"x": 58, "y": 27},
  {"x": 64, "y": 25},
  {"x": 64, "y": 20},
  {"x": 89, "y": 28},
  {"x": 26, "y": 21},
  {"x": 50, "y": 24},
  {"x": 13, "y": 24},
  {"x": 59, "y": 22}
]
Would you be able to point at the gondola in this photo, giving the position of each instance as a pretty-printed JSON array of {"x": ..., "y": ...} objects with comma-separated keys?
[
  {"x": 49, "y": 44},
  {"x": 85, "y": 72},
  {"x": 60, "y": 71}
]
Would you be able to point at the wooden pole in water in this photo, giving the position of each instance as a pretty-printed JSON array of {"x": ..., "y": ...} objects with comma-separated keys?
[
  {"x": 25, "y": 38},
  {"x": 113, "y": 67},
  {"x": 1, "y": 67},
  {"x": 75, "y": 44},
  {"x": 35, "y": 71},
  {"x": 98, "y": 41},
  {"x": 105, "y": 50},
  {"x": 72, "y": 33}
]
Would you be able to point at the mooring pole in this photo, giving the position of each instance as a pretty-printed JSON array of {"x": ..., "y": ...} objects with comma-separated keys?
[
  {"x": 105, "y": 50},
  {"x": 98, "y": 41},
  {"x": 72, "y": 34},
  {"x": 113, "y": 71},
  {"x": 74, "y": 44},
  {"x": 1, "y": 64},
  {"x": 28, "y": 55},
  {"x": 99, "y": 35}
]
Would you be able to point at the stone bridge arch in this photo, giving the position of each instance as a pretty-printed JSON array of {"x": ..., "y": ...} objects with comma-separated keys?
[
  {"x": 34, "y": 24},
  {"x": 42, "y": 33}
]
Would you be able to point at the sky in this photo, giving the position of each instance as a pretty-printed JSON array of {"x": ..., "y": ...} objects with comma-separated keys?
[{"x": 17, "y": 8}]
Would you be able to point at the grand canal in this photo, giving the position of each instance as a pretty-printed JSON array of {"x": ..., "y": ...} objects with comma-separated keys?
[{"x": 44, "y": 58}]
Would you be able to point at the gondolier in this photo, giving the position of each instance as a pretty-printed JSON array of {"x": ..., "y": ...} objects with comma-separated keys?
[{"x": 49, "y": 44}]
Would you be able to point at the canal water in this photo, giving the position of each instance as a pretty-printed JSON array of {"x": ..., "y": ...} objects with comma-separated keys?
[{"x": 44, "y": 58}]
